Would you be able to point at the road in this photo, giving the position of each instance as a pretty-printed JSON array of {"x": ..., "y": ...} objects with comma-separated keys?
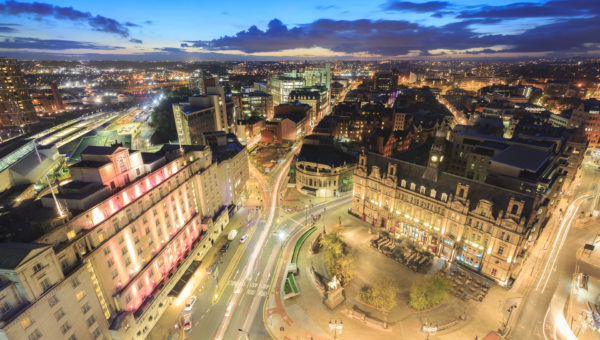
[{"x": 541, "y": 314}]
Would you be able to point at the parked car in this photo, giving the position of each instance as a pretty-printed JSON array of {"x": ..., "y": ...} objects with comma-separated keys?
[
  {"x": 187, "y": 322},
  {"x": 243, "y": 238},
  {"x": 224, "y": 247},
  {"x": 212, "y": 268},
  {"x": 189, "y": 303}
]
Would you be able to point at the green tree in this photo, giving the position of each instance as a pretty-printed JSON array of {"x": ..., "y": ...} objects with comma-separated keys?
[
  {"x": 382, "y": 295},
  {"x": 338, "y": 262},
  {"x": 429, "y": 293},
  {"x": 162, "y": 117}
]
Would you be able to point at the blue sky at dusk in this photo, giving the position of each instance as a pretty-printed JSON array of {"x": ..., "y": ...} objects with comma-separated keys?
[{"x": 188, "y": 30}]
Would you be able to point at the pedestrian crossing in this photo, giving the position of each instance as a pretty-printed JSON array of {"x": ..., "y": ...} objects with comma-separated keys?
[{"x": 252, "y": 288}]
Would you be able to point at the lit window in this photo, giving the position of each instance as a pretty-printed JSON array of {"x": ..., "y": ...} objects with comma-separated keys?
[
  {"x": 80, "y": 295},
  {"x": 26, "y": 322}
]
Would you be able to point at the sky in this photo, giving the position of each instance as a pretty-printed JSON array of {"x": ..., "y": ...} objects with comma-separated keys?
[{"x": 309, "y": 29}]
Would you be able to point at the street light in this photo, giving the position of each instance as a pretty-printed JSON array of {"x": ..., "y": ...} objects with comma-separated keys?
[
  {"x": 509, "y": 310},
  {"x": 335, "y": 326}
]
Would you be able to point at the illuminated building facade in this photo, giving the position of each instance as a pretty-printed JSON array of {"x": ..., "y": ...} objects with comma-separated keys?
[
  {"x": 213, "y": 111},
  {"x": 481, "y": 226},
  {"x": 16, "y": 107},
  {"x": 131, "y": 246},
  {"x": 323, "y": 171}
]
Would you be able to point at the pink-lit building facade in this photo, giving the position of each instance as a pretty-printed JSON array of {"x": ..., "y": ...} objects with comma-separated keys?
[{"x": 139, "y": 239}]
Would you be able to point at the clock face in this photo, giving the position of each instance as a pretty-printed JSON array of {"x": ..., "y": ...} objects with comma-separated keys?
[
  {"x": 434, "y": 158},
  {"x": 441, "y": 158}
]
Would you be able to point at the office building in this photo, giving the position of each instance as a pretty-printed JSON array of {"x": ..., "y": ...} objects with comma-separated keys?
[
  {"x": 16, "y": 107},
  {"x": 257, "y": 103},
  {"x": 213, "y": 111}
]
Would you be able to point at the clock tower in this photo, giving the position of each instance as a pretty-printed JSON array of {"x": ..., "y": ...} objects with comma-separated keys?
[{"x": 436, "y": 156}]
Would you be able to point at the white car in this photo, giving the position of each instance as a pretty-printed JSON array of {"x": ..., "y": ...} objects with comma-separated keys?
[
  {"x": 190, "y": 303},
  {"x": 243, "y": 238}
]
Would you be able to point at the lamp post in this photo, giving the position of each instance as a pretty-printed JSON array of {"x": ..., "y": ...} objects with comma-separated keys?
[
  {"x": 335, "y": 326},
  {"x": 509, "y": 310}
]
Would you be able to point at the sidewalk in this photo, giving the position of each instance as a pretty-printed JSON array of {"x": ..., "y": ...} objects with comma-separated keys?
[{"x": 306, "y": 317}]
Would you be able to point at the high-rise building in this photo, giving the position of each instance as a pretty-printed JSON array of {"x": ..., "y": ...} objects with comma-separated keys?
[
  {"x": 281, "y": 86},
  {"x": 213, "y": 111},
  {"x": 109, "y": 267},
  {"x": 196, "y": 82},
  {"x": 257, "y": 103},
  {"x": 16, "y": 107}
]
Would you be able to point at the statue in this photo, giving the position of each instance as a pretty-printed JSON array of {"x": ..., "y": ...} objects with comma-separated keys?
[
  {"x": 334, "y": 283},
  {"x": 335, "y": 294}
]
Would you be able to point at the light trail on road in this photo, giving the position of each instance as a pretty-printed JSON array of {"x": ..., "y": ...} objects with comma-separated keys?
[
  {"x": 561, "y": 236},
  {"x": 259, "y": 246}
]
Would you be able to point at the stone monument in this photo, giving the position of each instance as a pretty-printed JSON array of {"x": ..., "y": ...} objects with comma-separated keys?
[{"x": 335, "y": 293}]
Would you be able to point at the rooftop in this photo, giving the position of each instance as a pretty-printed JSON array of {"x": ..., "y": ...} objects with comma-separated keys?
[
  {"x": 523, "y": 157},
  {"x": 12, "y": 254},
  {"x": 324, "y": 154}
]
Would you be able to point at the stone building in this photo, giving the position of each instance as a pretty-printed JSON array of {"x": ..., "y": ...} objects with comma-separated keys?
[{"x": 483, "y": 227}]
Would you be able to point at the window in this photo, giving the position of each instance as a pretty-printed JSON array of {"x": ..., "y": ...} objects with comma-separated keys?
[
  {"x": 5, "y": 307},
  {"x": 432, "y": 194},
  {"x": 500, "y": 250},
  {"x": 114, "y": 273},
  {"x": 96, "y": 333},
  {"x": 85, "y": 308},
  {"x": 45, "y": 284},
  {"x": 37, "y": 268},
  {"x": 52, "y": 301},
  {"x": 127, "y": 298},
  {"x": 75, "y": 282},
  {"x": 80, "y": 295},
  {"x": 127, "y": 261},
  {"x": 110, "y": 262},
  {"x": 35, "y": 335},
  {"x": 444, "y": 197},
  {"x": 26, "y": 322},
  {"x": 422, "y": 190},
  {"x": 59, "y": 314},
  {"x": 493, "y": 272},
  {"x": 73, "y": 337},
  {"x": 413, "y": 186},
  {"x": 106, "y": 251},
  {"x": 65, "y": 327},
  {"x": 91, "y": 320}
]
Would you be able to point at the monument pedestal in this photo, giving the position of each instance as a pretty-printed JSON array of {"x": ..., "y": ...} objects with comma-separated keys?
[{"x": 334, "y": 297}]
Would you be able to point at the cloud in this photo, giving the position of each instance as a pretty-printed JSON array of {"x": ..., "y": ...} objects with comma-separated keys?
[
  {"x": 397, "y": 37},
  {"x": 519, "y": 10},
  {"x": 135, "y": 41},
  {"x": 44, "y": 10},
  {"x": 148, "y": 22},
  {"x": 326, "y": 7},
  {"x": 169, "y": 49},
  {"x": 7, "y": 29},
  {"x": 51, "y": 44},
  {"x": 422, "y": 7},
  {"x": 131, "y": 24}
]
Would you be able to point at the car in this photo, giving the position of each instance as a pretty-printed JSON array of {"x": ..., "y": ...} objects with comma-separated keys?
[
  {"x": 189, "y": 303},
  {"x": 212, "y": 268},
  {"x": 243, "y": 238},
  {"x": 224, "y": 247},
  {"x": 228, "y": 311},
  {"x": 187, "y": 322}
]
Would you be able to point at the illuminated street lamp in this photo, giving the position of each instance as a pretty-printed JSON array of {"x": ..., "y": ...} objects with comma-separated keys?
[{"x": 335, "y": 327}]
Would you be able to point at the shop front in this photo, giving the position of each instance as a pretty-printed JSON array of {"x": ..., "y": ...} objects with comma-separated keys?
[{"x": 471, "y": 257}]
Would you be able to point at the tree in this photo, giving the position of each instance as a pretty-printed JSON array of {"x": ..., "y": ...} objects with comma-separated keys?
[
  {"x": 162, "y": 117},
  {"x": 382, "y": 295},
  {"x": 338, "y": 262},
  {"x": 429, "y": 293}
]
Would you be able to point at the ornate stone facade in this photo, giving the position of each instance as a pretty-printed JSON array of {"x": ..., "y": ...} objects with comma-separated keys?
[{"x": 481, "y": 226}]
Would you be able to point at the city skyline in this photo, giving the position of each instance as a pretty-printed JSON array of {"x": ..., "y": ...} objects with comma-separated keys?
[{"x": 350, "y": 30}]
